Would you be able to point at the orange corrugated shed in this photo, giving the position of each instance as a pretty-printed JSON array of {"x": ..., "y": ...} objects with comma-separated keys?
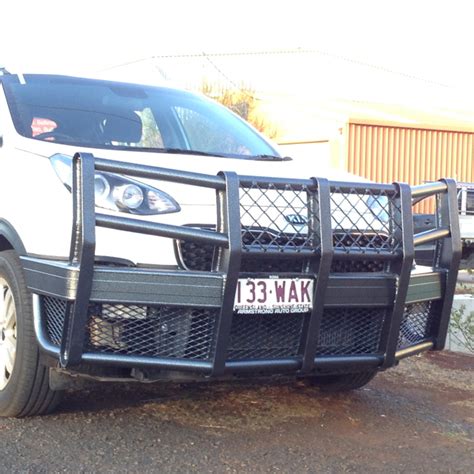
[{"x": 388, "y": 152}]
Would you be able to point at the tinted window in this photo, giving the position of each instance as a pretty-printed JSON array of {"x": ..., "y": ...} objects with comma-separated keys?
[
  {"x": 470, "y": 202},
  {"x": 106, "y": 114}
]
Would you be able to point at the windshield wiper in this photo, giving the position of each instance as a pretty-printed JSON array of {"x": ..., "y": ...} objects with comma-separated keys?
[
  {"x": 270, "y": 158},
  {"x": 244, "y": 157},
  {"x": 184, "y": 151},
  {"x": 180, "y": 151}
]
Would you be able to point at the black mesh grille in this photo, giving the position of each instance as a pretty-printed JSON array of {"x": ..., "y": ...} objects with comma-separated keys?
[
  {"x": 254, "y": 264},
  {"x": 286, "y": 221},
  {"x": 350, "y": 331},
  {"x": 364, "y": 221},
  {"x": 161, "y": 331},
  {"x": 279, "y": 219},
  {"x": 417, "y": 323},
  {"x": 346, "y": 266},
  {"x": 196, "y": 256},
  {"x": 54, "y": 310},
  {"x": 164, "y": 331},
  {"x": 265, "y": 336}
]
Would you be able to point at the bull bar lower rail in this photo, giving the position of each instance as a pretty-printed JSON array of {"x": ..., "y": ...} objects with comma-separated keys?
[{"x": 396, "y": 310}]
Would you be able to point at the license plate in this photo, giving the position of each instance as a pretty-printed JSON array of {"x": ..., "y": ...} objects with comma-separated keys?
[{"x": 273, "y": 295}]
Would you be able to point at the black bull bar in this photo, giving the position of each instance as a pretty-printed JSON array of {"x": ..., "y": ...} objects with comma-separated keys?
[{"x": 411, "y": 307}]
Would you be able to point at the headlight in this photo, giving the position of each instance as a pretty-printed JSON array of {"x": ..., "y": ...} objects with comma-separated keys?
[
  {"x": 101, "y": 188},
  {"x": 117, "y": 192},
  {"x": 128, "y": 196}
]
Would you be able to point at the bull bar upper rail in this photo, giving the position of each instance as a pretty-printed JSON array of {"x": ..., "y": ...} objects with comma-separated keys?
[{"x": 80, "y": 272}]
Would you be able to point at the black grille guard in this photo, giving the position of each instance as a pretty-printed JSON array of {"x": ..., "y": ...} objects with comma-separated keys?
[{"x": 243, "y": 204}]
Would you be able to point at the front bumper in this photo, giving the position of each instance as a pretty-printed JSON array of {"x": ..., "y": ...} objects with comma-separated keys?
[{"x": 183, "y": 320}]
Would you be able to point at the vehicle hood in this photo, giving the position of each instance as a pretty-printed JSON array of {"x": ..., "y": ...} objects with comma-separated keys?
[{"x": 296, "y": 168}]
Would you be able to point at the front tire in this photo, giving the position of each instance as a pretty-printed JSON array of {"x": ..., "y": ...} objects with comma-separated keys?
[
  {"x": 342, "y": 382},
  {"x": 24, "y": 381}
]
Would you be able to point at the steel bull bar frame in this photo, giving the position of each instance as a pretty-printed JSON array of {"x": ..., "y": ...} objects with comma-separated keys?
[{"x": 80, "y": 280}]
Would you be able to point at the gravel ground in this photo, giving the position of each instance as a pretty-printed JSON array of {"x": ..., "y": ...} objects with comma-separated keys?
[{"x": 418, "y": 417}]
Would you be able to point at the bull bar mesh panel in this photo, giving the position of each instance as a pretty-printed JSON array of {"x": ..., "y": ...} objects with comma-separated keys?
[
  {"x": 363, "y": 221},
  {"x": 278, "y": 219},
  {"x": 265, "y": 336},
  {"x": 189, "y": 333},
  {"x": 253, "y": 264},
  {"x": 350, "y": 331},
  {"x": 286, "y": 218},
  {"x": 418, "y": 323},
  {"x": 161, "y": 331},
  {"x": 357, "y": 266}
]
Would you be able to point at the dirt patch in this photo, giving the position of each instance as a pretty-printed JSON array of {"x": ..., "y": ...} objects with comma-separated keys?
[
  {"x": 417, "y": 417},
  {"x": 451, "y": 360},
  {"x": 438, "y": 370},
  {"x": 240, "y": 408}
]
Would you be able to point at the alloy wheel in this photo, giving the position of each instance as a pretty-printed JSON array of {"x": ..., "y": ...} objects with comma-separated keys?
[{"x": 7, "y": 333}]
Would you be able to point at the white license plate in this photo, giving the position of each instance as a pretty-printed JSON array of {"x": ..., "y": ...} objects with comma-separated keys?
[{"x": 273, "y": 295}]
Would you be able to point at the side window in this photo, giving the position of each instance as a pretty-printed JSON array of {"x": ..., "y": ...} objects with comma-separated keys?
[
  {"x": 470, "y": 202},
  {"x": 469, "y": 194}
]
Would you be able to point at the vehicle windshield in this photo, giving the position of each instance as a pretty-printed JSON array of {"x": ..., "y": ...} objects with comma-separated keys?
[{"x": 114, "y": 115}]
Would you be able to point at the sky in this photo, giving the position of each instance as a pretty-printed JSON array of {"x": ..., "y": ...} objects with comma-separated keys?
[
  {"x": 362, "y": 50},
  {"x": 432, "y": 39}
]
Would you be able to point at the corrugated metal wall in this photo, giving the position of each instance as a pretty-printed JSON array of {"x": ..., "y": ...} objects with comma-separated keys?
[{"x": 387, "y": 153}]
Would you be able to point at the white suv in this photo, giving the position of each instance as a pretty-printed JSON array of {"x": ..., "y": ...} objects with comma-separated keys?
[{"x": 127, "y": 251}]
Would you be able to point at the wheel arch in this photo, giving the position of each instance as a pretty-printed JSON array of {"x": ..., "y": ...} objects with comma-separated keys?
[{"x": 9, "y": 238}]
